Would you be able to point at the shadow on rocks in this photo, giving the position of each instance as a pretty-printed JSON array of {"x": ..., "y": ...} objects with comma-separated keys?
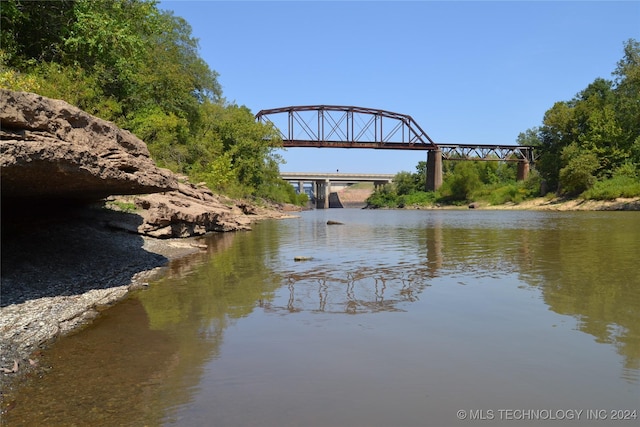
[{"x": 67, "y": 249}]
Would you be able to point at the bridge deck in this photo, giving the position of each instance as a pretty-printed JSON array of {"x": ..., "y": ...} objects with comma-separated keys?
[{"x": 336, "y": 177}]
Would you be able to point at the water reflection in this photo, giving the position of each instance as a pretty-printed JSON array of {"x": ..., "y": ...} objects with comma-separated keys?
[
  {"x": 147, "y": 354},
  {"x": 584, "y": 263},
  {"x": 367, "y": 290},
  {"x": 397, "y": 318}
]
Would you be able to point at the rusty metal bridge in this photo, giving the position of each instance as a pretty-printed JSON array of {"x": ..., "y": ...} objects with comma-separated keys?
[
  {"x": 346, "y": 127},
  {"x": 338, "y": 126}
]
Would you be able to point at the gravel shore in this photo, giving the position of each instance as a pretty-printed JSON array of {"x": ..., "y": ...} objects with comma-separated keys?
[{"x": 61, "y": 269}]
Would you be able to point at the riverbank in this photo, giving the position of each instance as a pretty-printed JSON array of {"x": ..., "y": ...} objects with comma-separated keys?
[
  {"x": 561, "y": 204},
  {"x": 61, "y": 269},
  {"x": 546, "y": 204}
]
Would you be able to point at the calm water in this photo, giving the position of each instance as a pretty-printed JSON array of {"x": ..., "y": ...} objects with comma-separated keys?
[{"x": 401, "y": 318}]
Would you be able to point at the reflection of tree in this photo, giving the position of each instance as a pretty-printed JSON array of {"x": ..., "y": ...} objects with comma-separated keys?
[
  {"x": 591, "y": 274},
  {"x": 108, "y": 374},
  {"x": 585, "y": 266},
  {"x": 583, "y": 263},
  {"x": 221, "y": 284},
  {"x": 157, "y": 340},
  {"x": 201, "y": 295}
]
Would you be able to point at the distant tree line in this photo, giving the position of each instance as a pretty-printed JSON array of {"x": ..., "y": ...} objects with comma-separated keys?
[
  {"x": 587, "y": 147},
  {"x": 138, "y": 66}
]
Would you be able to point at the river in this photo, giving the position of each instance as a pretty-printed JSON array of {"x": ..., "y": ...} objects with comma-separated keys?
[{"x": 399, "y": 318}]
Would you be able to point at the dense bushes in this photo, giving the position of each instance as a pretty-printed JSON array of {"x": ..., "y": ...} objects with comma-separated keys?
[
  {"x": 625, "y": 182},
  {"x": 583, "y": 141},
  {"x": 129, "y": 62},
  {"x": 463, "y": 181},
  {"x": 587, "y": 147}
]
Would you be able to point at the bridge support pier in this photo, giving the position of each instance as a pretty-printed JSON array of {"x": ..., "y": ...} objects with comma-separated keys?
[
  {"x": 523, "y": 170},
  {"x": 434, "y": 170},
  {"x": 300, "y": 187},
  {"x": 377, "y": 185},
  {"x": 322, "y": 191}
]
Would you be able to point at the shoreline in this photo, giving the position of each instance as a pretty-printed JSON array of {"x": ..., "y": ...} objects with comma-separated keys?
[
  {"x": 545, "y": 204},
  {"x": 559, "y": 204},
  {"x": 60, "y": 273}
]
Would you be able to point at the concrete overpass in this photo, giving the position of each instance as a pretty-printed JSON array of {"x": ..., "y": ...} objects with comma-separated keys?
[{"x": 321, "y": 182}]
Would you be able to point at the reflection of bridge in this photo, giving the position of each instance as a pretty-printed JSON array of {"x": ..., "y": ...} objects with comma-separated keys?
[
  {"x": 356, "y": 127},
  {"x": 321, "y": 182}
]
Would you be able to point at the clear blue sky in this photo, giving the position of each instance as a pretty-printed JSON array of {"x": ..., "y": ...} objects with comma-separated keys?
[{"x": 467, "y": 72}]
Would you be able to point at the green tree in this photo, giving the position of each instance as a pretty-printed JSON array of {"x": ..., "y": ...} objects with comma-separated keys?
[
  {"x": 404, "y": 183},
  {"x": 234, "y": 153},
  {"x": 599, "y": 128},
  {"x": 34, "y": 30},
  {"x": 578, "y": 174},
  {"x": 111, "y": 39},
  {"x": 627, "y": 97},
  {"x": 173, "y": 76},
  {"x": 460, "y": 183}
]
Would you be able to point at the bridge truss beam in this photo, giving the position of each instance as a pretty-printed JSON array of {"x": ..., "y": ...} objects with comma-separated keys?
[
  {"x": 346, "y": 127},
  {"x": 504, "y": 153},
  {"x": 339, "y": 126}
]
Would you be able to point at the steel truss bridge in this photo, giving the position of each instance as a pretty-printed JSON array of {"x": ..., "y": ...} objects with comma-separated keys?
[
  {"x": 340, "y": 126},
  {"x": 346, "y": 127},
  {"x": 505, "y": 153}
]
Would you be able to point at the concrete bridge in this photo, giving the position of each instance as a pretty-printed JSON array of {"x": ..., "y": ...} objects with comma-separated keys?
[{"x": 321, "y": 182}]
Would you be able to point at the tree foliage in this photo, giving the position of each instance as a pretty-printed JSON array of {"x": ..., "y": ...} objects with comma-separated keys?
[
  {"x": 586, "y": 139},
  {"x": 132, "y": 63},
  {"x": 463, "y": 181},
  {"x": 587, "y": 146}
]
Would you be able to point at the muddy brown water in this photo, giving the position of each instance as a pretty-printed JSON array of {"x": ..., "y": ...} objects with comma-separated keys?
[{"x": 399, "y": 318}]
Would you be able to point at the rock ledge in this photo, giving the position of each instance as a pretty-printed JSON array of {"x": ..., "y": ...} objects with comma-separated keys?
[{"x": 51, "y": 149}]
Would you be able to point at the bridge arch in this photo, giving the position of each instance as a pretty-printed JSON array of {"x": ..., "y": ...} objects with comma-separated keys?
[{"x": 346, "y": 127}]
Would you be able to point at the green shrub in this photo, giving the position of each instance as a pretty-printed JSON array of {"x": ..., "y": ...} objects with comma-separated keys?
[
  {"x": 625, "y": 182},
  {"x": 609, "y": 189},
  {"x": 283, "y": 192},
  {"x": 383, "y": 197},
  {"x": 121, "y": 206},
  {"x": 420, "y": 198},
  {"x": 579, "y": 173}
]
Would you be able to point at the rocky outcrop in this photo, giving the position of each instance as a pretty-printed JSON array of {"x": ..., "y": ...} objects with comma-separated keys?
[
  {"x": 51, "y": 149},
  {"x": 186, "y": 212},
  {"x": 63, "y": 262}
]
